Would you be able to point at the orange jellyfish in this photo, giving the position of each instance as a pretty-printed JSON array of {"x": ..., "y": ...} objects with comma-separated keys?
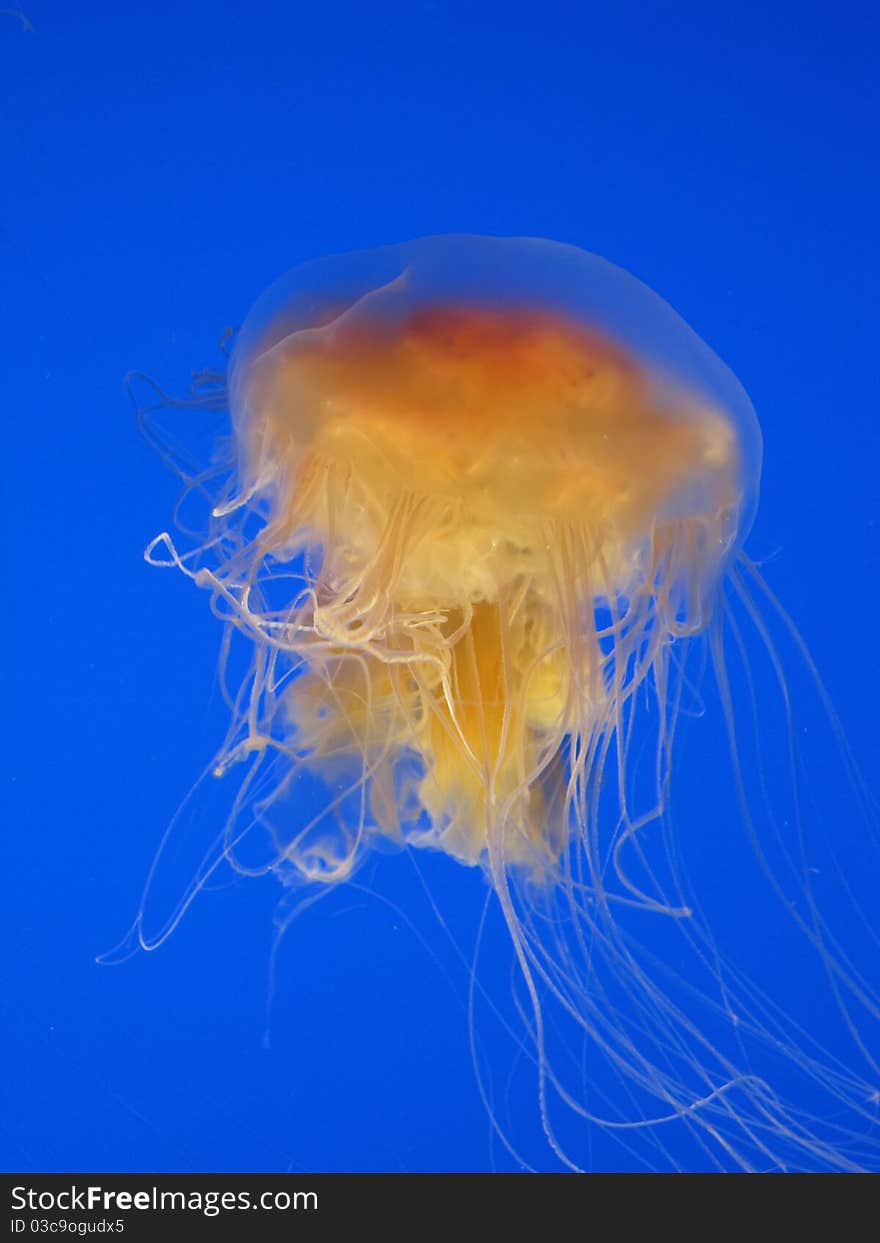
[{"x": 481, "y": 494}]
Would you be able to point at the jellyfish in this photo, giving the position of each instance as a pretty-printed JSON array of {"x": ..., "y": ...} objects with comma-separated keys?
[{"x": 478, "y": 502}]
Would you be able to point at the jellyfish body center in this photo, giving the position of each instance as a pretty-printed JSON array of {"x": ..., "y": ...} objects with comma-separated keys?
[{"x": 472, "y": 479}]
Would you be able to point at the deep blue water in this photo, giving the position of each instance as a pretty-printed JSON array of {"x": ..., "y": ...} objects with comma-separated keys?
[{"x": 161, "y": 165}]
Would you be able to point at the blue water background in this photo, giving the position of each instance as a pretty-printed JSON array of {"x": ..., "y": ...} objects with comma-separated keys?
[{"x": 161, "y": 165}]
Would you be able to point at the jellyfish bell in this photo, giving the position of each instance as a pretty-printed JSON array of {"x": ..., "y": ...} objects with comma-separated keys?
[
  {"x": 528, "y": 295},
  {"x": 482, "y": 493}
]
